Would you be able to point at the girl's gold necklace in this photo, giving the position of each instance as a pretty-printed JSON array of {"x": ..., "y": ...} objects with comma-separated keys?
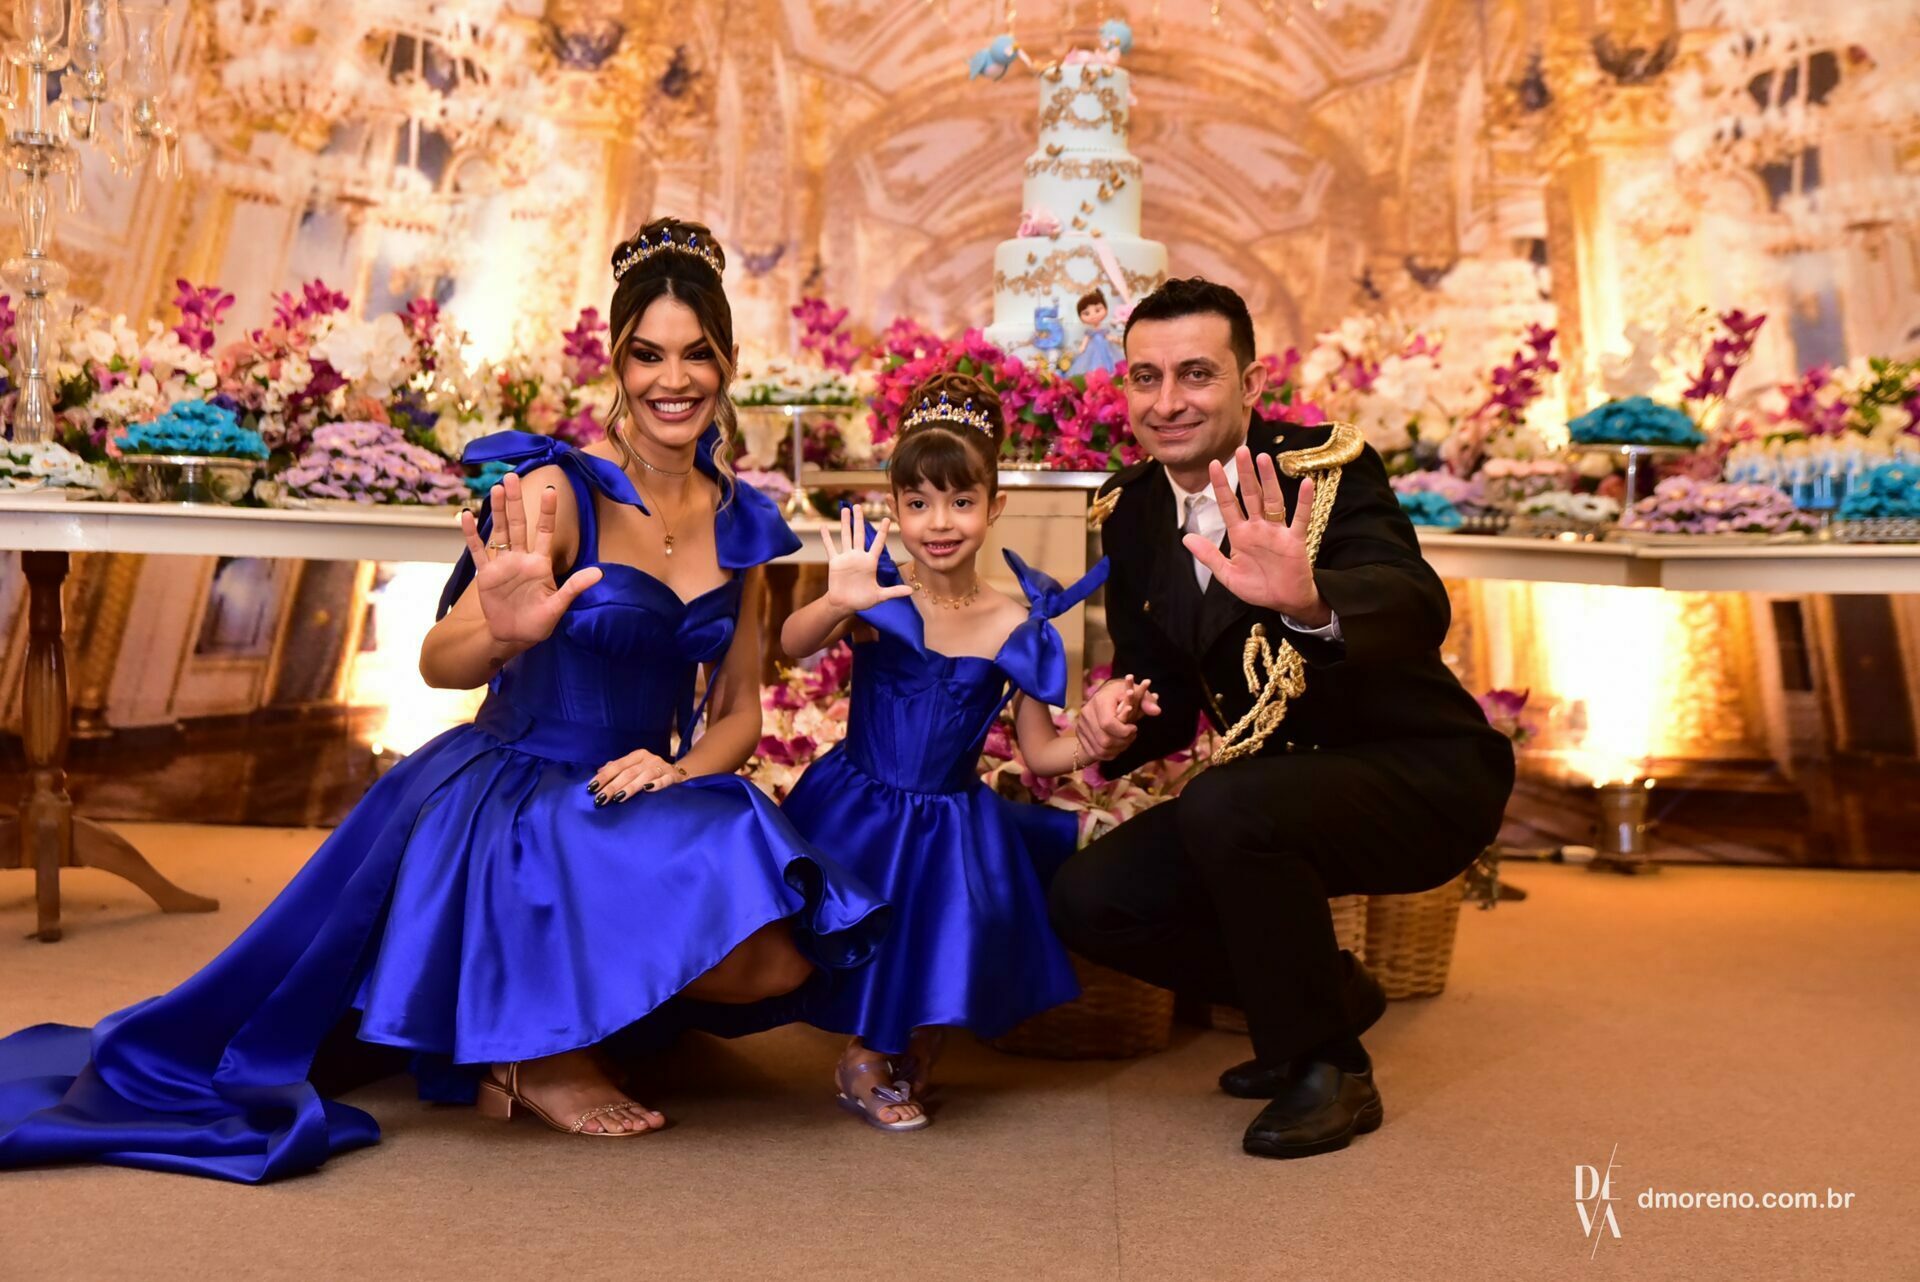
[{"x": 960, "y": 602}]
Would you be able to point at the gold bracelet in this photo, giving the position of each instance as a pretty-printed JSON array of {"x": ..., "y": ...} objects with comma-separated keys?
[{"x": 1077, "y": 767}]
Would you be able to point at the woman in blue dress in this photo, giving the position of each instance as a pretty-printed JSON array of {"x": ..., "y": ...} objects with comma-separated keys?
[
  {"x": 574, "y": 863},
  {"x": 937, "y": 655}
]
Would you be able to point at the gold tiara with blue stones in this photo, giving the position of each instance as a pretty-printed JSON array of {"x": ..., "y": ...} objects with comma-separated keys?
[
  {"x": 642, "y": 249},
  {"x": 947, "y": 412}
]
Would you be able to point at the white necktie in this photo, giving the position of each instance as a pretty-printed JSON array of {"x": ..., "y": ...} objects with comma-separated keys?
[{"x": 1192, "y": 526}]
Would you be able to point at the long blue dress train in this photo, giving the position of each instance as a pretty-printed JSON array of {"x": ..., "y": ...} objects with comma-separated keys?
[
  {"x": 475, "y": 906},
  {"x": 962, "y": 868}
]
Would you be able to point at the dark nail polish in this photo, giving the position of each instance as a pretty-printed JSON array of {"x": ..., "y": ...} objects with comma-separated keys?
[
  {"x": 646, "y": 787},
  {"x": 600, "y": 800},
  {"x": 621, "y": 795},
  {"x": 594, "y": 786}
]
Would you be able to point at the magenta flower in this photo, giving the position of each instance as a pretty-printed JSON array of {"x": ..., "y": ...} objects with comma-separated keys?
[
  {"x": 316, "y": 299},
  {"x": 1504, "y": 711},
  {"x": 822, "y": 335},
  {"x": 201, "y": 308},
  {"x": 1725, "y": 355},
  {"x": 586, "y": 352}
]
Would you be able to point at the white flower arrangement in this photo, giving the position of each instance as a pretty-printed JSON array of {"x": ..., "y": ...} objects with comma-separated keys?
[
  {"x": 44, "y": 466},
  {"x": 1589, "y": 509}
]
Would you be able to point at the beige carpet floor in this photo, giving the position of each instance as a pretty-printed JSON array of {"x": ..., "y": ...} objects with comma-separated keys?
[{"x": 1742, "y": 1030}]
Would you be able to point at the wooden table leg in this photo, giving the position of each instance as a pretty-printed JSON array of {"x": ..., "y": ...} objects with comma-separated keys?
[{"x": 45, "y": 834}]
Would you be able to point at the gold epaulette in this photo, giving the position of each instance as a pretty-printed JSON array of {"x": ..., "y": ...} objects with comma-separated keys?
[
  {"x": 1102, "y": 508},
  {"x": 1343, "y": 447}
]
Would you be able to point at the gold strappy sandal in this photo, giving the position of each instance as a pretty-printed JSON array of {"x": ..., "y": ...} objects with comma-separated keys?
[{"x": 497, "y": 1100}]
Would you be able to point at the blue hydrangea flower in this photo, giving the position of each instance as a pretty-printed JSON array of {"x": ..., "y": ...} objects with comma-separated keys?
[
  {"x": 1635, "y": 421},
  {"x": 490, "y": 475},
  {"x": 1889, "y": 492},
  {"x": 193, "y": 427},
  {"x": 1425, "y": 507}
]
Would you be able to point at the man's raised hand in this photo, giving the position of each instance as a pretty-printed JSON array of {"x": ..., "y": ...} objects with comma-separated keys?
[{"x": 1268, "y": 567}]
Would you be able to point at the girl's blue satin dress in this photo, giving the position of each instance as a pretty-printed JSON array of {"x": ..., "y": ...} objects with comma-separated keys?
[
  {"x": 902, "y": 806},
  {"x": 475, "y": 907}
]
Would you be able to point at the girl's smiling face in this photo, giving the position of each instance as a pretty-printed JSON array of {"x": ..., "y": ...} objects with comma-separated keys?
[{"x": 945, "y": 529}]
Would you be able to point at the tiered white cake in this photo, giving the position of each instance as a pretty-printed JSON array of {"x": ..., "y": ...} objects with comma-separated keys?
[{"x": 1084, "y": 177}]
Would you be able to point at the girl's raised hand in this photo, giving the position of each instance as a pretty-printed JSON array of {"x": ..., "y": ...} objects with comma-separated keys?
[
  {"x": 853, "y": 568},
  {"x": 513, "y": 574}
]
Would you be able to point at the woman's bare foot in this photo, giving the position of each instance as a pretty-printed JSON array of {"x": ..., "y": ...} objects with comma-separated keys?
[
  {"x": 567, "y": 1085},
  {"x": 859, "y": 1071}
]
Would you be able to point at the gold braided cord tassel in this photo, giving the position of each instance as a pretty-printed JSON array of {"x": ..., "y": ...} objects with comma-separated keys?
[{"x": 1286, "y": 671}]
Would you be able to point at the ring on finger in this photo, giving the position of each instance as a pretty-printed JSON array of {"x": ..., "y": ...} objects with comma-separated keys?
[
  {"x": 498, "y": 547},
  {"x": 1274, "y": 513}
]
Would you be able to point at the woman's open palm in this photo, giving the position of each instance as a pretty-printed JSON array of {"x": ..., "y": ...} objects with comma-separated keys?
[
  {"x": 513, "y": 574},
  {"x": 853, "y": 568}
]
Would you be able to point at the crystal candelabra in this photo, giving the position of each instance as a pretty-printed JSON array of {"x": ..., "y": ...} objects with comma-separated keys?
[{"x": 112, "y": 54}]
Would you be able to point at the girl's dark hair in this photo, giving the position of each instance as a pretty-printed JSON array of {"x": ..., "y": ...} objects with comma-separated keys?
[
  {"x": 1092, "y": 298},
  {"x": 690, "y": 278},
  {"x": 950, "y": 456}
]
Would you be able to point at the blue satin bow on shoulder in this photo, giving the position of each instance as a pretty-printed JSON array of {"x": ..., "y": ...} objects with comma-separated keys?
[{"x": 1035, "y": 656}]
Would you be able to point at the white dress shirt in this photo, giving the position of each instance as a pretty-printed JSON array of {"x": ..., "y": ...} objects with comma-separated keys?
[{"x": 1198, "y": 512}]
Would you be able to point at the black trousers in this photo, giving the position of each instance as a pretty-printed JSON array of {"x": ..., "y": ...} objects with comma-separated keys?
[{"x": 1223, "y": 890}]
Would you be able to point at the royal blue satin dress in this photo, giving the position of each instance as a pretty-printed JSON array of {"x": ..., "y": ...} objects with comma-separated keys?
[
  {"x": 901, "y": 804},
  {"x": 475, "y": 906}
]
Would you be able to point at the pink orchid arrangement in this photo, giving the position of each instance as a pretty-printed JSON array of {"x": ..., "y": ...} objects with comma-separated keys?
[
  {"x": 1512, "y": 390},
  {"x": 271, "y": 377},
  {"x": 1725, "y": 354},
  {"x": 200, "y": 307},
  {"x": 823, "y": 332}
]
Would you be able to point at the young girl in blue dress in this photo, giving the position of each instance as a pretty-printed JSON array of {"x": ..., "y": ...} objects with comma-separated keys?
[
  {"x": 520, "y": 889},
  {"x": 937, "y": 654}
]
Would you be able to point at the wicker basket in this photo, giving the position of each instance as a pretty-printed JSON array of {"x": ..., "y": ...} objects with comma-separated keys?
[
  {"x": 1115, "y": 1017},
  {"x": 1410, "y": 939},
  {"x": 1349, "y": 930}
]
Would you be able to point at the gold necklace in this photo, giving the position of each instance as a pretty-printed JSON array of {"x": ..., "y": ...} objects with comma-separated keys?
[
  {"x": 626, "y": 447},
  {"x": 659, "y": 511},
  {"x": 960, "y": 602}
]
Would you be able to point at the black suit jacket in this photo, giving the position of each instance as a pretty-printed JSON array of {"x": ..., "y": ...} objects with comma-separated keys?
[{"x": 1383, "y": 688}]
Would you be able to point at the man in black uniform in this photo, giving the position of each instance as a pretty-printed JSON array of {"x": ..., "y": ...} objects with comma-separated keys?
[{"x": 1383, "y": 778}]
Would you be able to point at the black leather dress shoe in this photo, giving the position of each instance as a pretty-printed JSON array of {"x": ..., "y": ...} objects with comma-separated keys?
[
  {"x": 1365, "y": 1003},
  {"x": 1319, "y": 1110}
]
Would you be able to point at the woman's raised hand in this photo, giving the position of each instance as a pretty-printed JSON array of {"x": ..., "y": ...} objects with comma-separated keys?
[
  {"x": 853, "y": 568},
  {"x": 513, "y": 575}
]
